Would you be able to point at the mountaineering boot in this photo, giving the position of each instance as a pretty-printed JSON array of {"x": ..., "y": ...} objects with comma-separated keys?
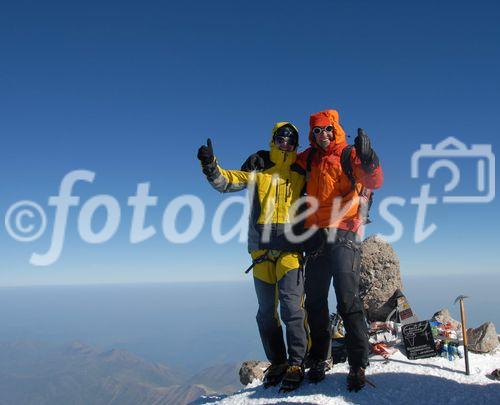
[
  {"x": 339, "y": 351},
  {"x": 356, "y": 378},
  {"x": 317, "y": 371},
  {"x": 274, "y": 374},
  {"x": 292, "y": 379}
]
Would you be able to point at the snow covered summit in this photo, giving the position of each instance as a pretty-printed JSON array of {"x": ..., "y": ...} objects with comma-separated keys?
[{"x": 399, "y": 380}]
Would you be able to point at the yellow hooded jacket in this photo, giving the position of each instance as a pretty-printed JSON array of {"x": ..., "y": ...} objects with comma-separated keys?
[{"x": 276, "y": 188}]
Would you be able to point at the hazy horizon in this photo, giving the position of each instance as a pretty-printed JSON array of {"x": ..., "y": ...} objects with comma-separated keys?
[
  {"x": 243, "y": 280},
  {"x": 193, "y": 325}
]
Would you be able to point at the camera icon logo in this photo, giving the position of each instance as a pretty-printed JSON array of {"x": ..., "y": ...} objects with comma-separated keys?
[{"x": 447, "y": 153}]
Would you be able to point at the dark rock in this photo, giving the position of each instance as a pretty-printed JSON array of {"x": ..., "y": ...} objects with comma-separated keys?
[{"x": 495, "y": 375}]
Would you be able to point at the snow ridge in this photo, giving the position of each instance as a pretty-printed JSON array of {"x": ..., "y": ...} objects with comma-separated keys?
[{"x": 399, "y": 380}]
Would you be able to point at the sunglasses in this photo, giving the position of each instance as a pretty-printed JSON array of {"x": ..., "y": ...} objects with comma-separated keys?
[
  {"x": 319, "y": 130},
  {"x": 287, "y": 131},
  {"x": 284, "y": 140}
]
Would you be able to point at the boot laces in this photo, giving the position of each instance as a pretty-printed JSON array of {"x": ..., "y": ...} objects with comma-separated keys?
[{"x": 294, "y": 369}]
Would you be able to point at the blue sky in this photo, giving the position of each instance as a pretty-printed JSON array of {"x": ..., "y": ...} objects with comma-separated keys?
[{"x": 130, "y": 90}]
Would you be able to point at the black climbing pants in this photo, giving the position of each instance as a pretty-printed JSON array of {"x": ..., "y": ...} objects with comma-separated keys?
[
  {"x": 289, "y": 293},
  {"x": 338, "y": 260}
]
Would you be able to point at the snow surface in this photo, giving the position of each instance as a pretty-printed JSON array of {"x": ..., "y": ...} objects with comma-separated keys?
[{"x": 427, "y": 381}]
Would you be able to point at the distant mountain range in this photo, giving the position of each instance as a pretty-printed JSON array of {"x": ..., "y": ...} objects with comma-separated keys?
[{"x": 33, "y": 373}]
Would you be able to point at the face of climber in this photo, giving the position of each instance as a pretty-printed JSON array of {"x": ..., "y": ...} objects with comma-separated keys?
[
  {"x": 286, "y": 139},
  {"x": 323, "y": 136}
]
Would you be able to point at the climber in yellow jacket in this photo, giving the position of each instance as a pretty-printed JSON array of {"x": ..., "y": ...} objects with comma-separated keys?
[{"x": 277, "y": 263}]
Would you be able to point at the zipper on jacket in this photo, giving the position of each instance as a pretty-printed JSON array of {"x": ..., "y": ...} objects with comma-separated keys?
[
  {"x": 277, "y": 200},
  {"x": 286, "y": 191},
  {"x": 320, "y": 171}
]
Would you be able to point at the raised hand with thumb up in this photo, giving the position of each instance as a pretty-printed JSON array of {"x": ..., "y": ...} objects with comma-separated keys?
[
  {"x": 206, "y": 153},
  {"x": 364, "y": 151},
  {"x": 363, "y": 145}
]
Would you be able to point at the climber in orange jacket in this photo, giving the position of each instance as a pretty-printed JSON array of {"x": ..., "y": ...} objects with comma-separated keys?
[
  {"x": 340, "y": 177},
  {"x": 338, "y": 172}
]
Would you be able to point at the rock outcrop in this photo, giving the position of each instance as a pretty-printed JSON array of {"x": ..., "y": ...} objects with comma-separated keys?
[
  {"x": 443, "y": 316},
  {"x": 252, "y": 370},
  {"x": 482, "y": 339},
  {"x": 379, "y": 277}
]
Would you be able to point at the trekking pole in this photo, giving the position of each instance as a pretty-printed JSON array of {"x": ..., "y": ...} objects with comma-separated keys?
[{"x": 464, "y": 331}]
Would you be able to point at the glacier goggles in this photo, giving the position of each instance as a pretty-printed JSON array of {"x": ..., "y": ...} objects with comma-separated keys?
[
  {"x": 286, "y": 137},
  {"x": 319, "y": 130}
]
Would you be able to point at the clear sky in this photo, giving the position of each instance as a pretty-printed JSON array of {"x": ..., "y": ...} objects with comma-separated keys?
[{"x": 129, "y": 90}]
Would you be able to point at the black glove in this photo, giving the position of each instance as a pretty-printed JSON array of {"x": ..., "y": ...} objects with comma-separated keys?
[
  {"x": 364, "y": 150},
  {"x": 206, "y": 153},
  {"x": 363, "y": 145}
]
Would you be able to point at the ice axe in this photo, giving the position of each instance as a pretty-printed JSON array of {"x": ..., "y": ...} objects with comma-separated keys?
[{"x": 464, "y": 331}]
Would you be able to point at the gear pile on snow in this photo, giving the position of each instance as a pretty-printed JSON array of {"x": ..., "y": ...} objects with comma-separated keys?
[
  {"x": 445, "y": 337},
  {"x": 389, "y": 315}
]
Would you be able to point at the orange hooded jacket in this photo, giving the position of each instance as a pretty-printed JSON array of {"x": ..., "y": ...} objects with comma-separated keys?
[{"x": 339, "y": 200}]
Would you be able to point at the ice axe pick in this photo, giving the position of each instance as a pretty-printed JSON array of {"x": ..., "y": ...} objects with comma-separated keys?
[{"x": 460, "y": 299}]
